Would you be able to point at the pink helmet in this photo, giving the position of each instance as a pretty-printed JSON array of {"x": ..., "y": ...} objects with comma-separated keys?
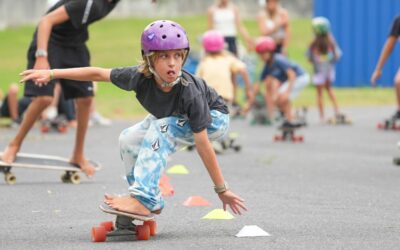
[
  {"x": 265, "y": 44},
  {"x": 213, "y": 41}
]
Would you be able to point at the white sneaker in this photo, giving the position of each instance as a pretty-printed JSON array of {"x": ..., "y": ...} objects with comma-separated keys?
[{"x": 97, "y": 119}]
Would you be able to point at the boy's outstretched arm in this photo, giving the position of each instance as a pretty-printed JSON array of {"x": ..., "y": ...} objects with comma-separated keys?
[
  {"x": 207, "y": 154},
  {"x": 386, "y": 51},
  {"x": 42, "y": 77}
]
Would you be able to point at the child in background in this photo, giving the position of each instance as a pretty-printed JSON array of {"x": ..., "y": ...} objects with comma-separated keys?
[
  {"x": 13, "y": 107},
  {"x": 283, "y": 79},
  {"x": 183, "y": 109},
  {"x": 218, "y": 67},
  {"x": 323, "y": 53}
]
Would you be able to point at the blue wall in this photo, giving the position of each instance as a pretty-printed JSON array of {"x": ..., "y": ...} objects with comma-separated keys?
[{"x": 361, "y": 28}]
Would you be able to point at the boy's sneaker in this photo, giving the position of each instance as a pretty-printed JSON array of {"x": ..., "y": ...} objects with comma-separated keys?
[{"x": 396, "y": 115}]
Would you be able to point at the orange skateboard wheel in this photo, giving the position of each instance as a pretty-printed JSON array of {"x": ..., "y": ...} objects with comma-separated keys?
[
  {"x": 142, "y": 232},
  {"x": 108, "y": 225},
  {"x": 152, "y": 225},
  {"x": 99, "y": 234}
]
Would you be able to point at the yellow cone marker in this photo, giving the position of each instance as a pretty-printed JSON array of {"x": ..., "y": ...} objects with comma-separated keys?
[
  {"x": 218, "y": 214},
  {"x": 178, "y": 169}
]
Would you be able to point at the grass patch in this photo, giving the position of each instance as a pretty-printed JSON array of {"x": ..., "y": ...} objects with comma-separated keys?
[{"x": 116, "y": 42}]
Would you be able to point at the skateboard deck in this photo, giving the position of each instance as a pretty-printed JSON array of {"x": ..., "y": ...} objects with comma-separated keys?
[
  {"x": 45, "y": 162},
  {"x": 341, "y": 120},
  {"x": 125, "y": 226},
  {"x": 288, "y": 134}
]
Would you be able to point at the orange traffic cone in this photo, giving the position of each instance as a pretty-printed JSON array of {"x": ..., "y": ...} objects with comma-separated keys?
[
  {"x": 165, "y": 187},
  {"x": 196, "y": 201}
]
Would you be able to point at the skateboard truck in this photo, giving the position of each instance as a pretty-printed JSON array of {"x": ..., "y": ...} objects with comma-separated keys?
[{"x": 288, "y": 134}]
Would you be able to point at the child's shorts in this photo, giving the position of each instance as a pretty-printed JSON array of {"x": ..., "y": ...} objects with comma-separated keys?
[
  {"x": 322, "y": 77},
  {"x": 299, "y": 84},
  {"x": 59, "y": 58}
]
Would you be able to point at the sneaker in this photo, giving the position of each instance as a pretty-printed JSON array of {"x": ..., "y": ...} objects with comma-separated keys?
[
  {"x": 396, "y": 115},
  {"x": 97, "y": 119}
]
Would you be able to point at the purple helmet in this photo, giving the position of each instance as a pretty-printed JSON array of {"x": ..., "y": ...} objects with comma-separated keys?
[{"x": 163, "y": 35}]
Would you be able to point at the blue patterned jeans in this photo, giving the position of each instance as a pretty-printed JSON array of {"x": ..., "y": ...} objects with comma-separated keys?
[{"x": 145, "y": 147}]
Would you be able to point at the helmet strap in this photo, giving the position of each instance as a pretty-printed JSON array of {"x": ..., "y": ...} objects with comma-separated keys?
[{"x": 164, "y": 84}]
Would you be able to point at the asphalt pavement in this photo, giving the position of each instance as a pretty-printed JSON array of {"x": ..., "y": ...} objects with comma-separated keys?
[{"x": 339, "y": 189}]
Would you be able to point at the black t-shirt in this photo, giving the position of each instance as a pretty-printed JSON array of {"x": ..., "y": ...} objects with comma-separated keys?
[
  {"x": 395, "y": 31},
  {"x": 74, "y": 32},
  {"x": 193, "y": 101}
]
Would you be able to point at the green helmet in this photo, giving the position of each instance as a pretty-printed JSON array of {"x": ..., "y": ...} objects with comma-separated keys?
[{"x": 320, "y": 25}]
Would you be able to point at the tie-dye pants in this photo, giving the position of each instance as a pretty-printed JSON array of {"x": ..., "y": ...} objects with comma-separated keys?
[{"x": 146, "y": 146}]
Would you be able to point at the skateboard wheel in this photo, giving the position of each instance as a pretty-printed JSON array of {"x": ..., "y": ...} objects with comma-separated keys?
[
  {"x": 142, "y": 232},
  {"x": 10, "y": 178},
  {"x": 108, "y": 225},
  {"x": 396, "y": 161},
  {"x": 152, "y": 225},
  {"x": 277, "y": 138},
  {"x": 44, "y": 129},
  {"x": 65, "y": 178},
  {"x": 301, "y": 138},
  {"x": 99, "y": 234},
  {"x": 75, "y": 178},
  {"x": 62, "y": 129}
]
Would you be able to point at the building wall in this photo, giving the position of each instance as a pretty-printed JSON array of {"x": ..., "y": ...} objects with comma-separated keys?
[{"x": 361, "y": 28}]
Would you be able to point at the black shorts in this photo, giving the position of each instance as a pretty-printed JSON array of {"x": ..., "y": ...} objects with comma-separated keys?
[
  {"x": 232, "y": 46},
  {"x": 23, "y": 104},
  {"x": 61, "y": 58}
]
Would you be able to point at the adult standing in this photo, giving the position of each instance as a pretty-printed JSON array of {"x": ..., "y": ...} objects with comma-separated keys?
[
  {"x": 224, "y": 17},
  {"x": 387, "y": 49},
  {"x": 60, "y": 42},
  {"x": 273, "y": 21}
]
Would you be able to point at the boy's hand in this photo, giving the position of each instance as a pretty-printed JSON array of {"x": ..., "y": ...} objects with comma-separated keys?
[
  {"x": 39, "y": 77},
  {"x": 235, "y": 202},
  {"x": 375, "y": 76}
]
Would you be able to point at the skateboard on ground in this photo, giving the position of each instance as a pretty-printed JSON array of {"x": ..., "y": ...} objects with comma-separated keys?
[
  {"x": 59, "y": 124},
  {"x": 389, "y": 124},
  {"x": 126, "y": 225},
  {"x": 36, "y": 161},
  {"x": 340, "y": 119},
  {"x": 288, "y": 134},
  {"x": 229, "y": 142}
]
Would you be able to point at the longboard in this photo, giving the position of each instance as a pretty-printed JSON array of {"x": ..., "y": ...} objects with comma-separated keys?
[
  {"x": 45, "y": 162},
  {"x": 59, "y": 124},
  {"x": 288, "y": 134},
  {"x": 125, "y": 225},
  {"x": 341, "y": 120}
]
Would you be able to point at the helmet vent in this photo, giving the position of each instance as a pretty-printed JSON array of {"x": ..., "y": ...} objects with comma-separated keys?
[
  {"x": 178, "y": 35},
  {"x": 164, "y": 36}
]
